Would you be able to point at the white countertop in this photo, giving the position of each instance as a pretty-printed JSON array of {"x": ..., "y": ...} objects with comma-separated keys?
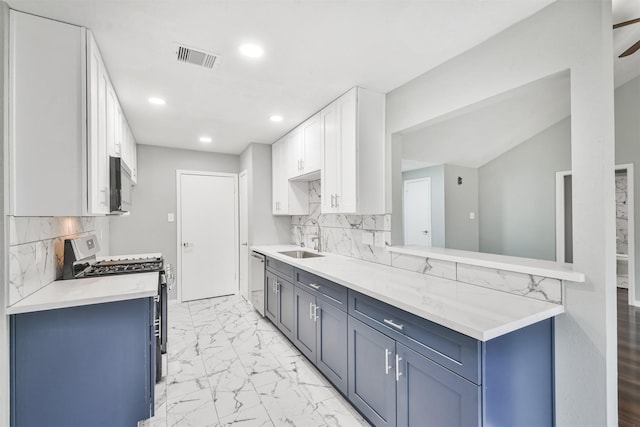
[
  {"x": 536, "y": 267},
  {"x": 76, "y": 292},
  {"x": 475, "y": 311}
]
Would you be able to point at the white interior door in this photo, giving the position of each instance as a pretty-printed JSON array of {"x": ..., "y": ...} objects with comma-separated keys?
[
  {"x": 417, "y": 212},
  {"x": 207, "y": 235},
  {"x": 244, "y": 235}
]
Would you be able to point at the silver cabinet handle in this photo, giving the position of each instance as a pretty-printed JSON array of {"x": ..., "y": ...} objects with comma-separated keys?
[
  {"x": 394, "y": 324},
  {"x": 398, "y": 373},
  {"x": 315, "y": 312},
  {"x": 310, "y": 311},
  {"x": 337, "y": 204},
  {"x": 387, "y": 353},
  {"x": 314, "y": 286},
  {"x": 277, "y": 287}
]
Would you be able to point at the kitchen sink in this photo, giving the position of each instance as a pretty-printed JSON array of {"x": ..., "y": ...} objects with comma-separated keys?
[{"x": 301, "y": 254}]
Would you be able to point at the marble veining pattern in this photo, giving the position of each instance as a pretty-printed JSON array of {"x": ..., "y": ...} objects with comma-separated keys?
[
  {"x": 229, "y": 366},
  {"x": 622, "y": 214},
  {"x": 341, "y": 234},
  {"x": 425, "y": 265},
  {"x": 527, "y": 285},
  {"x": 36, "y": 250}
]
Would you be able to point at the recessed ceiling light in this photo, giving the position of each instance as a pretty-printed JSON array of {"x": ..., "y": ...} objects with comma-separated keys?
[
  {"x": 205, "y": 139},
  {"x": 157, "y": 101},
  {"x": 275, "y": 118},
  {"x": 251, "y": 50}
]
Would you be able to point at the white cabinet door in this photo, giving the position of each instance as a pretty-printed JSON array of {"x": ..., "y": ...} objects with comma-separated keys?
[
  {"x": 98, "y": 131},
  {"x": 296, "y": 153},
  {"x": 346, "y": 114},
  {"x": 305, "y": 147},
  {"x": 330, "y": 159},
  {"x": 46, "y": 76},
  {"x": 312, "y": 142}
]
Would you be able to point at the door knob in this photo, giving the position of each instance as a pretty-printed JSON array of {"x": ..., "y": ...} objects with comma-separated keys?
[
  {"x": 244, "y": 244},
  {"x": 425, "y": 231},
  {"x": 187, "y": 245}
]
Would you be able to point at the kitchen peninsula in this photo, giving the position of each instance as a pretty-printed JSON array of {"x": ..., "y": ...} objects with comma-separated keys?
[{"x": 470, "y": 353}]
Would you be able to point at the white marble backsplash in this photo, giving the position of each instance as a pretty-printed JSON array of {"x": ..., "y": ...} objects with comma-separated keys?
[
  {"x": 528, "y": 285},
  {"x": 37, "y": 247},
  {"x": 425, "y": 265},
  {"x": 341, "y": 234}
]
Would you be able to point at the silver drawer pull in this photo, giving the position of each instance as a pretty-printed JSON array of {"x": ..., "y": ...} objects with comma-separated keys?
[
  {"x": 398, "y": 373},
  {"x": 394, "y": 324},
  {"x": 314, "y": 286},
  {"x": 387, "y": 353}
]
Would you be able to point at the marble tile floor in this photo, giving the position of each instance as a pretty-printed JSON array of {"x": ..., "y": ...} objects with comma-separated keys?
[{"x": 229, "y": 366}]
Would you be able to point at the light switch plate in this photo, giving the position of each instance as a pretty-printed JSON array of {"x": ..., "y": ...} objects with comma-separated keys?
[
  {"x": 170, "y": 217},
  {"x": 367, "y": 238},
  {"x": 472, "y": 215},
  {"x": 379, "y": 239}
]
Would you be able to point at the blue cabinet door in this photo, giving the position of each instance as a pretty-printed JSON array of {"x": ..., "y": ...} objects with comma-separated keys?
[
  {"x": 331, "y": 345},
  {"x": 305, "y": 323},
  {"x": 286, "y": 310},
  {"x": 430, "y": 395},
  {"x": 372, "y": 383},
  {"x": 270, "y": 297},
  {"x": 83, "y": 366}
]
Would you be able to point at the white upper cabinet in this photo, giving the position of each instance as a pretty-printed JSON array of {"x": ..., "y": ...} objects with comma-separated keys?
[
  {"x": 64, "y": 120},
  {"x": 353, "y": 153},
  {"x": 306, "y": 148},
  {"x": 289, "y": 197},
  {"x": 47, "y": 122}
]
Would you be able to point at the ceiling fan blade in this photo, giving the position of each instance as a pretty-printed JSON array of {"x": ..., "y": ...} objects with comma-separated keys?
[
  {"x": 625, "y": 23},
  {"x": 631, "y": 50}
]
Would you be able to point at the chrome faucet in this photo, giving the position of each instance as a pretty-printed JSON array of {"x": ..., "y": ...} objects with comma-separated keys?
[{"x": 317, "y": 238}]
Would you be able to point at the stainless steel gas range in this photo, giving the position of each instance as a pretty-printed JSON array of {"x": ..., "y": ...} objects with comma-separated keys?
[{"x": 80, "y": 262}]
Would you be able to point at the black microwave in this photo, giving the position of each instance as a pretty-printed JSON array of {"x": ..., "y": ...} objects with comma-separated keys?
[{"x": 118, "y": 190}]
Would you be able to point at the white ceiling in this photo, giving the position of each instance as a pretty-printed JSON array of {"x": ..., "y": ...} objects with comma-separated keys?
[
  {"x": 627, "y": 68},
  {"x": 481, "y": 132},
  {"x": 314, "y": 51}
]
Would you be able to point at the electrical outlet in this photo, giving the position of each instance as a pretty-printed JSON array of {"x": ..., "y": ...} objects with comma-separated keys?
[
  {"x": 367, "y": 238},
  {"x": 379, "y": 239},
  {"x": 171, "y": 217}
]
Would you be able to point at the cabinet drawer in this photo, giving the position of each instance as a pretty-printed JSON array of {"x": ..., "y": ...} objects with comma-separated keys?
[
  {"x": 280, "y": 268},
  {"x": 327, "y": 290},
  {"x": 457, "y": 352}
]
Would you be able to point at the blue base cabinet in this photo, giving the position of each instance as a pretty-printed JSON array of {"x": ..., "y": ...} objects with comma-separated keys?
[
  {"x": 91, "y": 365},
  {"x": 320, "y": 329},
  {"x": 407, "y": 371}
]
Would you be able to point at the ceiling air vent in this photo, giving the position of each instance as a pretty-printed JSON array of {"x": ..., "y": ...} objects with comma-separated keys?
[{"x": 197, "y": 57}]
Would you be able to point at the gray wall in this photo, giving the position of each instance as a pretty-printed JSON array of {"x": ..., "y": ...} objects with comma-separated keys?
[
  {"x": 146, "y": 229},
  {"x": 264, "y": 228},
  {"x": 517, "y": 195},
  {"x": 461, "y": 232},
  {"x": 627, "y": 107},
  {"x": 436, "y": 173}
]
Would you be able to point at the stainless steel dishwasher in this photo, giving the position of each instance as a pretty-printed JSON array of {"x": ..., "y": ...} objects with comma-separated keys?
[{"x": 257, "y": 281}]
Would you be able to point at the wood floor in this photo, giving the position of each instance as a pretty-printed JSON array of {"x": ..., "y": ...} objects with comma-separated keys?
[{"x": 628, "y": 362}]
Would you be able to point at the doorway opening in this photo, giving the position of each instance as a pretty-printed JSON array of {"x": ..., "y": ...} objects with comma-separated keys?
[{"x": 625, "y": 226}]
